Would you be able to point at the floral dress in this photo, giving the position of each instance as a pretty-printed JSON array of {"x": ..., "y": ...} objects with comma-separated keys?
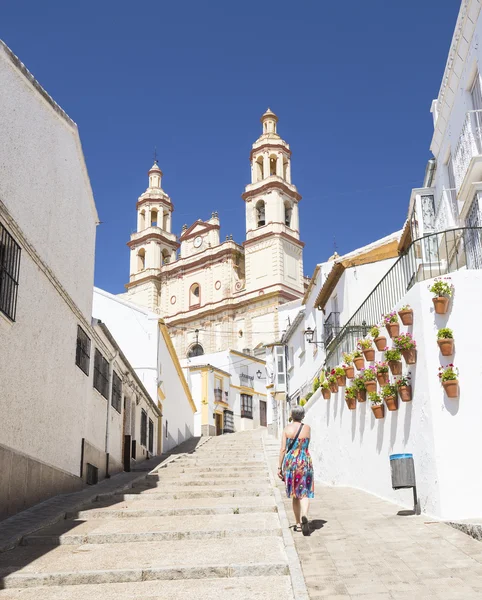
[{"x": 298, "y": 470}]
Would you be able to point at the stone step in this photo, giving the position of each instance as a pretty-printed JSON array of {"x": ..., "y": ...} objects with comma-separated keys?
[
  {"x": 111, "y": 563},
  {"x": 178, "y": 482},
  {"x": 200, "y": 492},
  {"x": 206, "y": 472},
  {"x": 254, "y": 588},
  {"x": 156, "y": 529}
]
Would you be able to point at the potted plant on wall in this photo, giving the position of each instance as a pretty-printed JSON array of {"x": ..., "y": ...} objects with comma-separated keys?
[
  {"x": 382, "y": 373},
  {"x": 449, "y": 376},
  {"x": 391, "y": 324},
  {"x": 332, "y": 383},
  {"x": 325, "y": 390},
  {"x": 366, "y": 346},
  {"x": 407, "y": 346},
  {"x": 380, "y": 340},
  {"x": 393, "y": 357},
  {"x": 404, "y": 388},
  {"x": 370, "y": 379},
  {"x": 406, "y": 314},
  {"x": 390, "y": 395},
  {"x": 358, "y": 360},
  {"x": 445, "y": 341},
  {"x": 361, "y": 391},
  {"x": 377, "y": 405},
  {"x": 339, "y": 373},
  {"x": 350, "y": 397},
  {"x": 442, "y": 290},
  {"x": 348, "y": 365}
]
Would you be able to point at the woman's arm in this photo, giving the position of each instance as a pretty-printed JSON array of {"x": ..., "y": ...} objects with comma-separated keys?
[{"x": 282, "y": 451}]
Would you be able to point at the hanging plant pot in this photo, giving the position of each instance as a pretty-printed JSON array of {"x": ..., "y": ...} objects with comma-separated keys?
[
  {"x": 395, "y": 367},
  {"x": 378, "y": 411},
  {"x": 359, "y": 363},
  {"x": 410, "y": 356},
  {"x": 391, "y": 402},
  {"x": 351, "y": 403},
  {"x": 326, "y": 394},
  {"x": 350, "y": 372},
  {"x": 371, "y": 386},
  {"x": 380, "y": 342},
  {"x": 369, "y": 354},
  {"x": 405, "y": 393},
  {"x": 393, "y": 329},
  {"x": 451, "y": 388},
  {"x": 406, "y": 316},
  {"x": 341, "y": 380},
  {"x": 361, "y": 395},
  {"x": 333, "y": 388},
  {"x": 441, "y": 304},
  {"x": 446, "y": 346},
  {"x": 383, "y": 379}
]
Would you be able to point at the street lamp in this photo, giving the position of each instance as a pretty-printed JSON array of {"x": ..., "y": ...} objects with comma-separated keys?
[
  {"x": 259, "y": 374},
  {"x": 309, "y": 335}
]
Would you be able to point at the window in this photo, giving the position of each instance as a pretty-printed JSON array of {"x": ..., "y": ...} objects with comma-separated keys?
[
  {"x": 246, "y": 406},
  {"x": 143, "y": 428},
  {"x": 141, "y": 260},
  {"x": 288, "y": 213},
  {"x": 101, "y": 374},
  {"x": 153, "y": 218},
  {"x": 476, "y": 93},
  {"x": 116, "y": 392},
  {"x": 272, "y": 165},
  {"x": 151, "y": 436},
  {"x": 280, "y": 365},
  {"x": 260, "y": 213},
  {"x": 9, "y": 273},
  {"x": 195, "y": 350},
  {"x": 195, "y": 295},
  {"x": 82, "y": 353}
]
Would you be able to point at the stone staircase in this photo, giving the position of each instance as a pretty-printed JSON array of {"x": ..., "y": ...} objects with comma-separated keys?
[{"x": 205, "y": 525}]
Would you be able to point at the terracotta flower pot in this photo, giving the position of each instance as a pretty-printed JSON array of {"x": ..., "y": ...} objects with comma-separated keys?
[
  {"x": 446, "y": 346},
  {"x": 359, "y": 363},
  {"x": 350, "y": 372},
  {"x": 361, "y": 395},
  {"x": 451, "y": 388},
  {"x": 441, "y": 304},
  {"x": 395, "y": 367},
  {"x": 405, "y": 393},
  {"x": 383, "y": 378},
  {"x": 391, "y": 402},
  {"x": 393, "y": 329},
  {"x": 369, "y": 354},
  {"x": 378, "y": 411},
  {"x": 410, "y": 356},
  {"x": 341, "y": 380},
  {"x": 326, "y": 394},
  {"x": 406, "y": 316},
  {"x": 333, "y": 388},
  {"x": 371, "y": 386},
  {"x": 380, "y": 342},
  {"x": 351, "y": 403}
]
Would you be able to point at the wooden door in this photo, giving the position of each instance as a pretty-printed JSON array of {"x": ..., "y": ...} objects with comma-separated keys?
[
  {"x": 219, "y": 424},
  {"x": 263, "y": 421}
]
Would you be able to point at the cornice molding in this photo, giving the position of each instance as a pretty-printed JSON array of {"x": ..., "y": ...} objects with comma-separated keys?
[
  {"x": 152, "y": 236},
  {"x": 281, "y": 185}
]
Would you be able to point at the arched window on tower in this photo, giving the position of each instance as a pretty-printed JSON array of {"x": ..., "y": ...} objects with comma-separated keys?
[
  {"x": 153, "y": 218},
  {"x": 194, "y": 295},
  {"x": 141, "y": 260},
  {"x": 195, "y": 350},
  {"x": 260, "y": 213},
  {"x": 165, "y": 217},
  {"x": 259, "y": 169},
  {"x": 285, "y": 170},
  {"x": 288, "y": 213},
  {"x": 142, "y": 220},
  {"x": 166, "y": 257},
  {"x": 272, "y": 165}
]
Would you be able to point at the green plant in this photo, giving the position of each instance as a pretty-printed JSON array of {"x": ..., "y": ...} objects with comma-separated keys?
[
  {"x": 302, "y": 401},
  {"x": 441, "y": 287},
  {"x": 374, "y": 398},
  {"x": 359, "y": 384},
  {"x": 389, "y": 390},
  {"x": 445, "y": 334},
  {"x": 325, "y": 385},
  {"x": 308, "y": 396},
  {"x": 357, "y": 354},
  {"x": 403, "y": 380},
  {"x": 405, "y": 307},
  {"x": 350, "y": 392},
  {"x": 332, "y": 380},
  {"x": 369, "y": 374},
  {"x": 347, "y": 358},
  {"x": 364, "y": 344},
  {"x": 381, "y": 367},
  {"x": 375, "y": 331},
  {"x": 393, "y": 354},
  {"x": 404, "y": 341},
  {"x": 339, "y": 372},
  {"x": 448, "y": 373},
  {"x": 316, "y": 384},
  {"x": 391, "y": 317}
]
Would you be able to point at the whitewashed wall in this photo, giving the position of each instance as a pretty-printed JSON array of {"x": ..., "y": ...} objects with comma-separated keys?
[{"x": 351, "y": 448}]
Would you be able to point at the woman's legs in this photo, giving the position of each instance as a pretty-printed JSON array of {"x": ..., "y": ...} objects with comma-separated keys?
[
  {"x": 297, "y": 510},
  {"x": 304, "y": 506}
]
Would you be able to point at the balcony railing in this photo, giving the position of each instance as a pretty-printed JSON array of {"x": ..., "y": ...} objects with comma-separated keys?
[
  {"x": 447, "y": 213},
  {"x": 431, "y": 256},
  {"x": 218, "y": 395},
  {"x": 331, "y": 327},
  {"x": 469, "y": 145}
]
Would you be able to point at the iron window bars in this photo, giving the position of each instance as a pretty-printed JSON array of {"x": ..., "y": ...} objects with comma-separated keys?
[{"x": 9, "y": 273}]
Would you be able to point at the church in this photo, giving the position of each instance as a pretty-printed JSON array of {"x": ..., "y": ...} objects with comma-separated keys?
[{"x": 216, "y": 295}]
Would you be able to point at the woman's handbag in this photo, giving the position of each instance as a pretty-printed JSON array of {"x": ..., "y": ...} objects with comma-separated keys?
[{"x": 288, "y": 450}]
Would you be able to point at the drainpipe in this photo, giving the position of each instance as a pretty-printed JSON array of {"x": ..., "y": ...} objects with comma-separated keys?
[
  {"x": 429, "y": 173},
  {"x": 109, "y": 402}
]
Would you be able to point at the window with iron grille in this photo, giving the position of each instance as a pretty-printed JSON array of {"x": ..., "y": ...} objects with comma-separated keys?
[
  {"x": 9, "y": 273},
  {"x": 116, "y": 392},
  {"x": 144, "y": 428},
  {"x": 151, "y": 436},
  {"x": 82, "y": 353},
  {"x": 101, "y": 374},
  {"x": 246, "y": 406}
]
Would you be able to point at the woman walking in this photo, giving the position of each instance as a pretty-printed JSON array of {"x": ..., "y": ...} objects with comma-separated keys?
[{"x": 296, "y": 467}]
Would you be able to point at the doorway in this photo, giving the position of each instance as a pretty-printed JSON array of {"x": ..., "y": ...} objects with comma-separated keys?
[
  {"x": 263, "y": 421},
  {"x": 219, "y": 423}
]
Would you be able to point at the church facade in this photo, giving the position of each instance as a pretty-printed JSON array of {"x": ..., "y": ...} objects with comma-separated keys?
[{"x": 216, "y": 295}]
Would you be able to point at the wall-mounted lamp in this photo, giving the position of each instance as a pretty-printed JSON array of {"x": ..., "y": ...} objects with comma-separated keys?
[{"x": 309, "y": 335}]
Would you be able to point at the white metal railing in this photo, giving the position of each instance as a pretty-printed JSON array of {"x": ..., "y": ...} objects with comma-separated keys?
[
  {"x": 469, "y": 144},
  {"x": 447, "y": 214}
]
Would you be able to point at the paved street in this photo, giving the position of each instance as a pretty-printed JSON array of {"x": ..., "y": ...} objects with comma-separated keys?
[{"x": 363, "y": 550}]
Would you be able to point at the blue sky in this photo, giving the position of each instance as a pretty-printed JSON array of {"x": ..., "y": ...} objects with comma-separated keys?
[{"x": 352, "y": 83}]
